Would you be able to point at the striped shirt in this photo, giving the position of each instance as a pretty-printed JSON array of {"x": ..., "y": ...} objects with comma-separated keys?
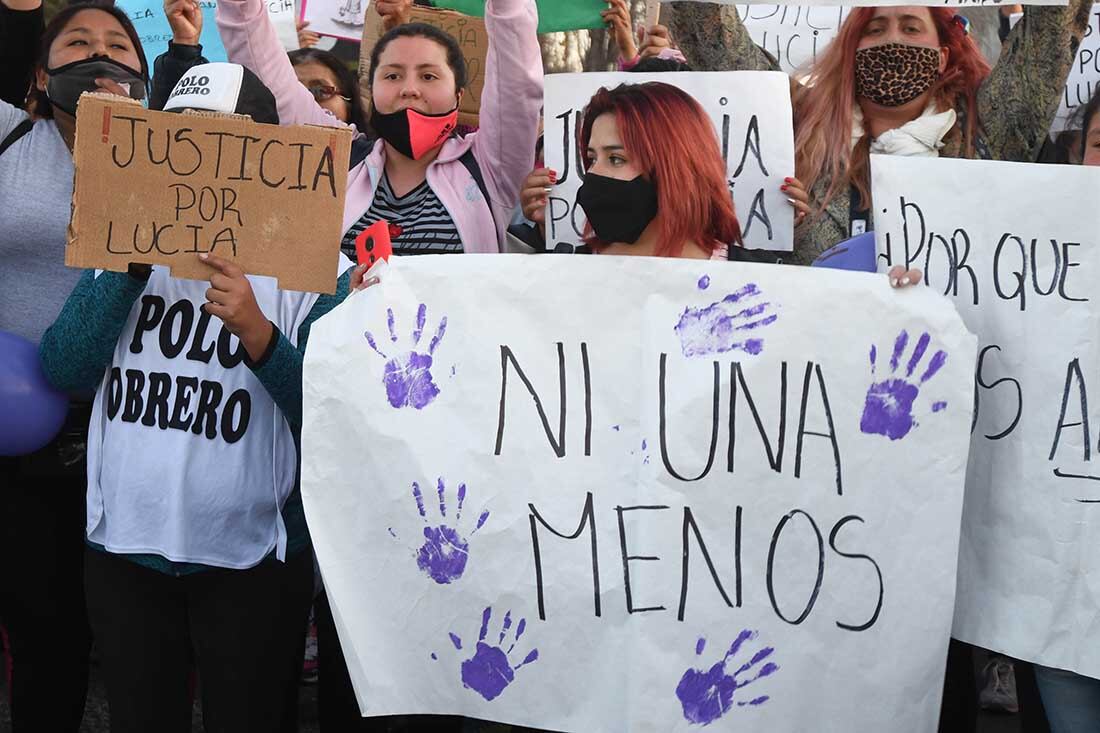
[{"x": 419, "y": 223}]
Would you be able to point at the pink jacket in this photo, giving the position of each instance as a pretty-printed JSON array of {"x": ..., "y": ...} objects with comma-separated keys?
[{"x": 504, "y": 145}]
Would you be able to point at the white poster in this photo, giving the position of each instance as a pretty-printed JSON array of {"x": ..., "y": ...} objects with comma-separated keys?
[
  {"x": 751, "y": 111},
  {"x": 281, "y": 13},
  {"x": 337, "y": 18},
  {"x": 638, "y": 494},
  {"x": 793, "y": 34},
  {"x": 1015, "y": 245},
  {"x": 1084, "y": 77},
  {"x": 879, "y": 3}
]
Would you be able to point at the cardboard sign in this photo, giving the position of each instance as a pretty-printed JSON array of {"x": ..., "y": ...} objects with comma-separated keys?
[
  {"x": 751, "y": 112},
  {"x": 471, "y": 37},
  {"x": 1024, "y": 279},
  {"x": 162, "y": 187},
  {"x": 690, "y": 493}
]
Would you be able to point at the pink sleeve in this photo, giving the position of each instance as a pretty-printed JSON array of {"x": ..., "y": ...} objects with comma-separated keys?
[
  {"x": 250, "y": 40},
  {"x": 511, "y": 101}
]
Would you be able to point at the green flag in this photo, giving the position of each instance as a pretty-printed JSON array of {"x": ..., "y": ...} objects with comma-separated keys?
[{"x": 554, "y": 15}]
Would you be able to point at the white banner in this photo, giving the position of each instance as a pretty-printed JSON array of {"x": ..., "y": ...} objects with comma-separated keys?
[
  {"x": 687, "y": 492},
  {"x": 793, "y": 34},
  {"x": 751, "y": 111},
  {"x": 1015, "y": 245}
]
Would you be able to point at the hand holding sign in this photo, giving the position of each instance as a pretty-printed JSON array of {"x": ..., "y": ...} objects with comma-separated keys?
[{"x": 231, "y": 299}]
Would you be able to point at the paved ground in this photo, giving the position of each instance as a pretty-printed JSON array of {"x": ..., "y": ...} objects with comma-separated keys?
[{"x": 95, "y": 716}]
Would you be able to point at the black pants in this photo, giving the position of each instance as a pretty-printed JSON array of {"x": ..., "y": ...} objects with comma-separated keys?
[
  {"x": 42, "y": 514},
  {"x": 243, "y": 629}
]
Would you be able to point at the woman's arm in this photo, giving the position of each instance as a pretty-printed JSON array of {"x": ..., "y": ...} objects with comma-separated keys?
[
  {"x": 21, "y": 26},
  {"x": 1018, "y": 101},
  {"x": 184, "y": 50},
  {"x": 511, "y": 101},
  {"x": 280, "y": 368},
  {"x": 713, "y": 38},
  {"x": 250, "y": 40},
  {"x": 78, "y": 347}
]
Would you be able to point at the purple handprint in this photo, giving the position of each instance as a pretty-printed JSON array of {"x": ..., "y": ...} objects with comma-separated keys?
[
  {"x": 445, "y": 551},
  {"x": 707, "y": 695},
  {"x": 888, "y": 409},
  {"x": 722, "y": 326},
  {"x": 489, "y": 670},
  {"x": 408, "y": 376}
]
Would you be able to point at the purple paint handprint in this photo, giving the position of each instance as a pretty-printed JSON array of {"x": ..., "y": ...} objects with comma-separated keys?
[
  {"x": 725, "y": 325},
  {"x": 490, "y": 670},
  {"x": 408, "y": 376},
  {"x": 888, "y": 409},
  {"x": 445, "y": 551},
  {"x": 707, "y": 695}
]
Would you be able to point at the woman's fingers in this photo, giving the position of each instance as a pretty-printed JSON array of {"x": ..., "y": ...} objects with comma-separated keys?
[{"x": 902, "y": 278}]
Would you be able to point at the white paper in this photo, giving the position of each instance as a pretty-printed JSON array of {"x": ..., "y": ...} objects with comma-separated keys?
[
  {"x": 1084, "y": 76},
  {"x": 465, "y": 434},
  {"x": 337, "y": 18},
  {"x": 751, "y": 111},
  {"x": 793, "y": 34},
  {"x": 1015, "y": 246},
  {"x": 879, "y": 3},
  {"x": 282, "y": 17}
]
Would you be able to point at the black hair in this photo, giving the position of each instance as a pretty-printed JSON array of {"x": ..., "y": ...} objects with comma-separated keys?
[
  {"x": 346, "y": 79},
  {"x": 455, "y": 59},
  {"x": 37, "y": 97},
  {"x": 653, "y": 63},
  {"x": 1085, "y": 115}
]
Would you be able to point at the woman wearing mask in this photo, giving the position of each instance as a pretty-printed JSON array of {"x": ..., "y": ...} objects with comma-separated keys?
[
  {"x": 439, "y": 193},
  {"x": 85, "y": 48},
  {"x": 198, "y": 550},
  {"x": 908, "y": 80}
]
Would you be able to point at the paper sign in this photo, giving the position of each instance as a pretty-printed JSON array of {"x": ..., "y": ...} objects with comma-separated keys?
[
  {"x": 879, "y": 3},
  {"x": 1023, "y": 279},
  {"x": 618, "y": 515},
  {"x": 162, "y": 187},
  {"x": 793, "y": 34},
  {"x": 751, "y": 111},
  {"x": 554, "y": 15},
  {"x": 1084, "y": 76},
  {"x": 471, "y": 37},
  {"x": 337, "y": 18},
  {"x": 152, "y": 27},
  {"x": 283, "y": 18}
]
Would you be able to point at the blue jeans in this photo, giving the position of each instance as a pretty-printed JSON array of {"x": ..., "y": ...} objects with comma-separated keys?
[{"x": 1072, "y": 701}]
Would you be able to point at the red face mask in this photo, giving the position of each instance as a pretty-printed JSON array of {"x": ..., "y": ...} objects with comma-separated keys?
[{"x": 414, "y": 133}]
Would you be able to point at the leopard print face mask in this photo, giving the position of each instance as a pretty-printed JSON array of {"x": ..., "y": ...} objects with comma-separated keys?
[{"x": 894, "y": 74}]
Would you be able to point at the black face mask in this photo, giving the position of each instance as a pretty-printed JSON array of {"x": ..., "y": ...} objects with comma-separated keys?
[
  {"x": 68, "y": 82},
  {"x": 414, "y": 133},
  {"x": 619, "y": 211}
]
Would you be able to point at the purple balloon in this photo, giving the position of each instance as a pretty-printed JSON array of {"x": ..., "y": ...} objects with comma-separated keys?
[{"x": 31, "y": 411}]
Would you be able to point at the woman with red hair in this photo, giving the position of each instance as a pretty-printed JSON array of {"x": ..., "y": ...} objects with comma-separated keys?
[
  {"x": 909, "y": 80},
  {"x": 654, "y": 182}
]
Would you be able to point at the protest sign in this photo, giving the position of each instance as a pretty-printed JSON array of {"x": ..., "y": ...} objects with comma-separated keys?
[
  {"x": 1084, "y": 76},
  {"x": 751, "y": 111},
  {"x": 879, "y": 3},
  {"x": 163, "y": 187},
  {"x": 471, "y": 37},
  {"x": 155, "y": 33},
  {"x": 554, "y": 15},
  {"x": 793, "y": 34},
  {"x": 690, "y": 492},
  {"x": 337, "y": 18},
  {"x": 1015, "y": 246}
]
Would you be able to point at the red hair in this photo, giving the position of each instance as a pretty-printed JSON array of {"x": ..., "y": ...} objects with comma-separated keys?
[
  {"x": 672, "y": 141},
  {"x": 823, "y": 106}
]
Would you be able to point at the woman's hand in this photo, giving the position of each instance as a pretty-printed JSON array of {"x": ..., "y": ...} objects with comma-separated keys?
[
  {"x": 534, "y": 195},
  {"x": 357, "y": 282},
  {"x": 111, "y": 87},
  {"x": 902, "y": 278},
  {"x": 796, "y": 195},
  {"x": 231, "y": 299},
  {"x": 393, "y": 12},
  {"x": 185, "y": 19},
  {"x": 617, "y": 17},
  {"x": 306, "y": 38},
  {"x": 657, "y": 39}
]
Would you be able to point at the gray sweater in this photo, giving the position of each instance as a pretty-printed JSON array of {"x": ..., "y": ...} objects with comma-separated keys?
[{"x": 36, "y": 190}]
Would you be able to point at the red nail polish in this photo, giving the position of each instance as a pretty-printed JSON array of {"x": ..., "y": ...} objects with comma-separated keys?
[
  {"x": 786, "y": 180},
  {"x": 783, "y": 188}
]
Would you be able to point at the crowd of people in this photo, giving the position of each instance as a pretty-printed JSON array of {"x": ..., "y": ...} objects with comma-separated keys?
[{"x": 188, "y": 559}]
